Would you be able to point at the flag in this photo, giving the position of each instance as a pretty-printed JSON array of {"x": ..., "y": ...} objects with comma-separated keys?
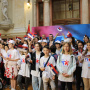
[
  {"x": 18, "y": 38},
  {"x": 31, "y": 35},
  {"x": 53, "y": 70},
  {"x": 35, "y": 34},
  {"x": 59, "y": 29},
  {"x": 28, "y": 31},
  {"x": 25, "y": 37}
]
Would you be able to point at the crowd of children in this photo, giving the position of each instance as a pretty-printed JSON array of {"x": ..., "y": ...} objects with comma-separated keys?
[{"x": 45, "y": 63}]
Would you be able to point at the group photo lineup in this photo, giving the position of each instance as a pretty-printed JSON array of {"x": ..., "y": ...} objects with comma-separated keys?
[
  {"x": 44, "y": 44},
  {"x": 55, "y": 60}
]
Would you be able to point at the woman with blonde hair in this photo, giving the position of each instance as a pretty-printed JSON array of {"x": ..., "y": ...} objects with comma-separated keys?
[{"x": 66, "y": 65}]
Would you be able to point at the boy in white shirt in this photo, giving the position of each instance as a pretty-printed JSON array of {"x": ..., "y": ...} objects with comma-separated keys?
[{"x": 47, "y": 76}]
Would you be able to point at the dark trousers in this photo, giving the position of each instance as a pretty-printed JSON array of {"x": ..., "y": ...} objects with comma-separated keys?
[
  {"x": 7, "y": 81},
  {"x": 69, "y": 85},
  {"x": 56, "y": 82},
  {"x": 78, "y": 78},
  {"x": 20, "y": 82}
]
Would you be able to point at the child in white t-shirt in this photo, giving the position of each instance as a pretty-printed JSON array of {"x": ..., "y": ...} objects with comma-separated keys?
[
  {"x": 11, "y": 64},
  {"x": 24, "y": 67},
  {"x": 58, "y": 49},
  {"x": 66, "y": 65},
  {"x": 47, "y": 76},
  {"x": 85, "y": 60},
  {"x": 35, "y": 72},
  {"x": 86, "y": 39},
  {"x": 5, "y": 61}
]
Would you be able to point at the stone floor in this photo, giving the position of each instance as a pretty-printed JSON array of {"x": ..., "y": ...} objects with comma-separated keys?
[{"x": 30, "y": 88}]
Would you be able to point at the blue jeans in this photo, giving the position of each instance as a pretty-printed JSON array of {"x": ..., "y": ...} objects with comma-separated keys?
[{"x": 37, "y": 83}]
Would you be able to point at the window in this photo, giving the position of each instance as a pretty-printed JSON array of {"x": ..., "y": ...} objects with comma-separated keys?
[
  {"x": 40, "y": 14},
  {"x": 66, "y": 11}
]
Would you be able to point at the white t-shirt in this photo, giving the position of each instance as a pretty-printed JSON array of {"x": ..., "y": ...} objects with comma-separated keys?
[
  {"x": 36, "y": 72},
  {"x": 80, "y": 64},
  {"x": 47, "y": 73},
  {"x": 57, "y": 52},
  {"x": 85, "y": 69},
  {"x": 66, "y": 65},
  {"x": 5, "y": 55},
  {"x": 13, "y": 54},
  {"x": 24, "y": 68},
  {"x": 85, "y": 46},
  {"x": 37, "y": 62},
  {"x": 2, "y": 51}
]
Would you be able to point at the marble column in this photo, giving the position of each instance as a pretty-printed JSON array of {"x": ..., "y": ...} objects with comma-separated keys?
[
  {"x": 35, "y": 13},
  {"x": 46, "y": 13},
  {"x": 85, "y": 12}
]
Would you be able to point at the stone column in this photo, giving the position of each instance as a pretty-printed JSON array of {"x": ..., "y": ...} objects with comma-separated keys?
[
  {"x": 35, "y": 13},
  {"x": 46, "y": 13},
  {"x": 85, "y": 12}
]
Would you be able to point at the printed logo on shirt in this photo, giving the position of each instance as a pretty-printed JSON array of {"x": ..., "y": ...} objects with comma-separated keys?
[
  {"x": 65, "y": 63},
  {"x": 9, "y": 55},
  {"x": 23, "y": 60},
  {"x": 87, "y": 59},
  {"x": 37, "y": 61},
  {"x": 44, "y": 63},
  {"x": 47, "y": 64}
]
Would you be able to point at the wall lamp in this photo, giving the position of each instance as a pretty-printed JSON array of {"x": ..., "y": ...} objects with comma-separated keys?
[{"x": 28, "y": 4}]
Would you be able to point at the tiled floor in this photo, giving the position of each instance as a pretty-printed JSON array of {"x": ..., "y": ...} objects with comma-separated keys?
[{"x": 30, "y": 88}]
